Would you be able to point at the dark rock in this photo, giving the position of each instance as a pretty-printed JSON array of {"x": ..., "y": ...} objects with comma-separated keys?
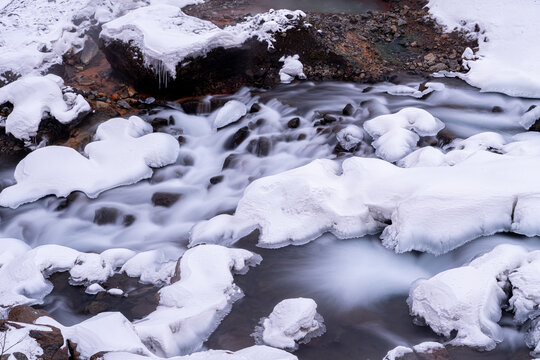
[
  {"x": 497, "y": 109},
  {"x": 230, "y": 161},
  {"x": 293, "y": 123},
  {"x": 123, "y": 104},
  {"x": 26, "y": 314},
  {"x": 106, "y": 215},
  {"x": 348, "y": 110},
  {"x": 237, "y": 138},
  {"x": 128, "y": 220},
  {"x": 165, "y": 199},
  {"x": 255, "y": 108},
  {"x": 216, "y": 179},
  {"x": 260, "y": 147}
]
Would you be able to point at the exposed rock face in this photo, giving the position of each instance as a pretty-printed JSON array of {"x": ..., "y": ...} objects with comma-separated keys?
[{"x": 353, "y": 47}]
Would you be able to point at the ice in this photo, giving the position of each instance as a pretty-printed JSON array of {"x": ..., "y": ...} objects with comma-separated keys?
[
  {"x": 291, "y": 322},
  {"x": 230, "y": 113},
  {"x": 125, "y": 151},
  {"x": 468, "y": 299},
  {"x": 190, "y": 309},
  {"x": 350, "y": 137},
  {"x": 292, "y": 68},
  {"x": 35, "y": 97},
  {"x": 396, "y": 135},
  {"x": 507, "y": 36},
  {"x": 166, "y": 36}
]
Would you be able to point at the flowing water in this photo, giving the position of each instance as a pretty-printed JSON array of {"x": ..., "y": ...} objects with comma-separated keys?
[{"x": 360, "y": 286}]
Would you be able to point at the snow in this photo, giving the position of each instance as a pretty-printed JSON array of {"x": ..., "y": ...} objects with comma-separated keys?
[
  {"x": 350, "y": 136},
  {"x": 259, "y": 352},
  {"x": 398, "y": 352},
  {"x": 291, "y": 69},
  {"x": 124, "y": 153},
  {"x": 33, "y": 98},
  {"x": 506, "y": 60},
  {"x": 396, "y": 135},
  {"x": 190, "y": 309},
  {"x": 230, "y": 113},
  {"x": 152, "y": 267},
  {"x": 166, "y": 36},
  {"x": 526, "y": 288},
  {"x": 291, "y": 321},
  {"x": 422, "y": 349},
  {"x": 468, "y": 299},
  {"x": 16, "y": 338},
  {"x": 24, "y": 271},
  {"x": 421, "y": 203}
]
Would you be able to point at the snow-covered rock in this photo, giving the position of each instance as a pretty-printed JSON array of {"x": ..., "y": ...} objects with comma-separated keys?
[
  {"x": 125, "y": 151},
  {"x": 423, "y": 350},
  {"x": 230, "y": 113},
  {"x": 166, "y": 36},
  {"x": 190, "y": 309},
  {"x": 259, "y": 352},
  {"x": 33, "y": 98},
  {"x": 507, "y": 37},
  {"x": 485, "y": 192},
  {"x": 468, "y": 299},
  {"x": 526, "y": 288},
  {"x": 396, "y": 135},
  {"x": 291, "y": 69},
  {"x": 24, "y": 271},
  {"x": 349, "y": 137},
  {"x": 291, "y": 322}
]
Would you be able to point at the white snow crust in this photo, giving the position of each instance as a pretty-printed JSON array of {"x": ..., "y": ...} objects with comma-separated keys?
[
  {"x": 423, "y": 202},
  {"x": 166, "y": 35},
  {"x": 291, "y": 69},
  {"x": 396, "y": 135},
  {"x": 506, "y": 60},
  {"x": 230, "y": 113},
  {"x": 125, "y": 151},
  {"x": 33, "y": 97},
  {"x": 292, "y": 321}
]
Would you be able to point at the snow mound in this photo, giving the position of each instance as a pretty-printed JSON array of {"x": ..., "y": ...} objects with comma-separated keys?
[
  {"x": 124, "y": 153},
  {"x": 190, "y": 309},
  {"x": 416, "y": 208},
  {"x": 396, "y": 135},
  {"x": 259, "y": 352},
  {"x": 166, "y": 36},
  {"x": 291, "y": 69},
  {"x": 230, "y": 113},
  {"x": 33, "y": 98},
  {"x": 350, "y": 136},
  {"x": 507, "y": 35},
  {"x": 291, "y": 321},
  {"x": 422, "y": 350},
  {"x": 467, "y": 299},
  {"x": 24, "y": 271}
]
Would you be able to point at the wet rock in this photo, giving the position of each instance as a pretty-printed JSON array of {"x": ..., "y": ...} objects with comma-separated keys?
[
  {"x": 348, "y": 110},
  {"x": 255, "y": 108},
  {"x": 165, "y": 199},
  {"x": 128, "y": 220},
  {"x": 216, "y": 179},
  {"x": 294, "y": 123},
  {"x": 497, "y": 110},
  {"x": 106, "y": 215},
  {"x": 123, "y": 104},
  {"x": 259, "y": 147},
  {"x": 438, "y": 67},
  {"x": 237, "y": 138},
  {"x": 89, "y": 51},
  {"x": 230, "y": 161}
]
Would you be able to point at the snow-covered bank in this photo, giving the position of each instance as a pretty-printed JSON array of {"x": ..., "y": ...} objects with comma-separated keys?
[
  {"x": 35, "y": 97},
  {"x": 507, "y": 33},
  {"x": 125, "y": 151}
]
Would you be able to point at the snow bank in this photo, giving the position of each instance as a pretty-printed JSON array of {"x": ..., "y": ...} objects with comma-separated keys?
[
  {"x": 124, "y": 153},
  {"x": 24, "y": 271},
  {"x": 166, "y": 36},
  {"x": 468, "y": 299},
  {"x": 190, "y": 309},
  {"x": 485, "y": 192},
  {"x": 291, "y": 69},
  {"x": 396, "y": 135},
  {"x": 35, "y": 97},
  {"x": 291, "y": 321},
  {"x": 35, "y": 34},
  {"x": 508, "y": 46},
  {"x": 259, "y": 352}
]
